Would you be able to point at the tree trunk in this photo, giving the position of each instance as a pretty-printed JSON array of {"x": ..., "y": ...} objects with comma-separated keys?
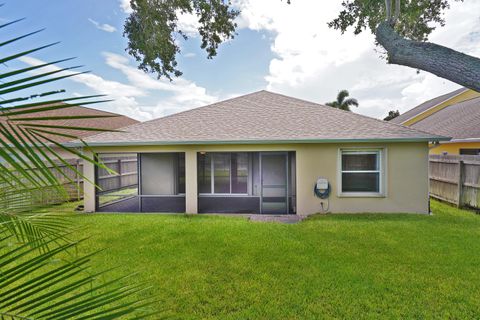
[{"x": 439, "y": 60}]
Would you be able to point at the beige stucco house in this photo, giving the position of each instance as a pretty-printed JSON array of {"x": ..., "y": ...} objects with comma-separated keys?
[{"x": 265, "y": 153}]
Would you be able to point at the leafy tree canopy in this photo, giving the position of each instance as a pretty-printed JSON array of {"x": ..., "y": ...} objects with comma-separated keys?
[
  {"x": 152, "y": 31},
  {"x": 401, "y": 27},
  {"x": 415, "y": 19}
]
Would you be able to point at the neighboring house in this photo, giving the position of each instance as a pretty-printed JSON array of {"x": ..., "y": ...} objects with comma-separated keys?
[
  {"x": 105, "y": 120},
  {"x": 263, "y": 153},
  {"x": 455, "y": 114}
]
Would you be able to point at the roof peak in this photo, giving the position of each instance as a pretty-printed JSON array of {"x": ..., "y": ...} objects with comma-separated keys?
[
  {"x": 262, "y": 116},
  {"x": 427, "y": 104}
]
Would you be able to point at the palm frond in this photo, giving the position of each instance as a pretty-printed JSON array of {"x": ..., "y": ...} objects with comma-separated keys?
[
  {"x": 41, "y": 276},
  {"x": 27, "y": 52},
  {"x": 341, "y": 96},
  {"x": 54, "y": 285},
  {"x": 342, "y": 102},
  {"x": 351, "y": 102},
  {"x": 333, "y": 104},
  {"x": 19, "y": 38}
]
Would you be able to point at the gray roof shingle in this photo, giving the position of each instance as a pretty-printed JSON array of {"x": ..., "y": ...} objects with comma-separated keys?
[
  {"x": 425, "y": 106},
  {"x": 111, "y": 121},
  {"x": 459, "y": 121},
  {"x": 260, "y": 117}
]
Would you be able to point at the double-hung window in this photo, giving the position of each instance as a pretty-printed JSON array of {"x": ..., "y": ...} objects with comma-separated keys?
[
  {"x": 223, "y": 173},
  {"x": 361, "y": 172}
]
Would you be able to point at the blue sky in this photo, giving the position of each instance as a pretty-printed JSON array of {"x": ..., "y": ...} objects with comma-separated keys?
[{"x": 279, "y": 47}]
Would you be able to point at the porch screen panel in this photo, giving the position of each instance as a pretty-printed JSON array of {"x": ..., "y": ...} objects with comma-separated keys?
[
  {"x": 181, "y": 173},
  {"x": 158, "y": 172},
  {"x": 204, "y": 173},
  {"x": 221, "y": 173},
  {"x": 118, "y": 191},
  {"x": 240, "y": 173}
]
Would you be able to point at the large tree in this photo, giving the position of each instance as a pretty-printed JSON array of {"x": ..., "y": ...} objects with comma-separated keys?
[
  {"x": 401, "y": 27},
  {"x": 152, "y": 30}
]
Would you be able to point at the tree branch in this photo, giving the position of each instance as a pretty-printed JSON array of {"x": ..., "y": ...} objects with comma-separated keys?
[
  {"x": 439, "y": 60},
  {"x": 388, "y": 9},
  {"x": 396, "y": 15}
]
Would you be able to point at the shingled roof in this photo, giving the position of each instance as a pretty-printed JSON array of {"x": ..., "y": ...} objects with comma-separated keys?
[
  {"x": 261, "y": 117},
  {"x": 110, "y": 122},
  {"x": 459, "y": 121},
  {"x": 426, "y": 105}
]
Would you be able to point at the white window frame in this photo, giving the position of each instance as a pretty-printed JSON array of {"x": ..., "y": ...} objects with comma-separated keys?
[{"x": 381, "y": 152}]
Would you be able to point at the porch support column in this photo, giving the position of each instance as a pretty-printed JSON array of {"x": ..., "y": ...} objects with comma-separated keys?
[
  {"x": 88, "y": 187},
  {"x": 191, "y": 193}
]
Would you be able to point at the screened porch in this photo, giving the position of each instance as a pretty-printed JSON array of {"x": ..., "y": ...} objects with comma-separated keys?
[
  {"x": 143, "y": 182},
  {"x": 246, "y": 182},
  {"x": 227, "y": 182}
]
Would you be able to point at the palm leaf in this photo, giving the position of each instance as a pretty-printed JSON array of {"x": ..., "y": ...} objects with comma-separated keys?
[
  {"x": 351, "y": 102},
  {"x": 24, "y": 53},
  {"x": 42, "y": 276},
  {"x": 48, "y": 107},
  {"x": 19, "y": 38},
  {"x": 40, "y": 285},
  {"x": 38, "y": 76},
  {"x": 44, "y": 103},
  {"x": 341, "y": 96},
  {"x": 11, "y": 22},
  {"x": 29, "y": 69},
  {"x": 32, "y": 96}
]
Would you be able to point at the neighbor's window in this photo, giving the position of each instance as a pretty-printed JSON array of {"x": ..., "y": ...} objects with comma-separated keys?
[
  {"x": 361, "y": 171},
  {"x": 474, "y": 152}
]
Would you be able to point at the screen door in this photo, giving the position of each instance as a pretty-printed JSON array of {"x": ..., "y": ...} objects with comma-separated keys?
[{"x": 274, "y": 182}]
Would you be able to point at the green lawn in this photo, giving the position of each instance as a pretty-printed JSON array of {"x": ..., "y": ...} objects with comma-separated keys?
[
  {"x": 335, "y": 266},
  {"x": 115, "y": 195}
]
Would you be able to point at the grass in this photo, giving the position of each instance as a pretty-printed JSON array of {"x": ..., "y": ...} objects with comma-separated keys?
[
  {"x": 334, "y": 266},
  {"x": 115, "y": 195}
]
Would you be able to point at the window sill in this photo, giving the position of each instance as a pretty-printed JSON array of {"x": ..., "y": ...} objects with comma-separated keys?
[{"x": 361, "y": 195}]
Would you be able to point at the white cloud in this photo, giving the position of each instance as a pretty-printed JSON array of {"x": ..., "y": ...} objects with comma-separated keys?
[
  {"x": 125, "y": 6},
  {"x": 188, "y": 23},
  {"x": 314, "y": 62},
  {"x": 103, "y": 26},
  {"x": 184, "y": 94},
  {"x": 171, "y": 97},
  {"x": 189, "y": 55},
  {"x": 96, "y": 83}
]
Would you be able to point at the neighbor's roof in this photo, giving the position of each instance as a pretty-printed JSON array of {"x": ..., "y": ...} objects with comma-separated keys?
[
  {"x": 261, "y": 117},
  {"x": 459, "y": 121},
  {"x": 425, "y": 106},
  {"x": 114, "y": 121}
]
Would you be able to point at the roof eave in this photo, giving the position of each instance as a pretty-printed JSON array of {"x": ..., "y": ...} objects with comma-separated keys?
[
  {"x": 463, "y": 140},
  {"x": 432, "y": 107},
  {"x": 217, "y": 142}
]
